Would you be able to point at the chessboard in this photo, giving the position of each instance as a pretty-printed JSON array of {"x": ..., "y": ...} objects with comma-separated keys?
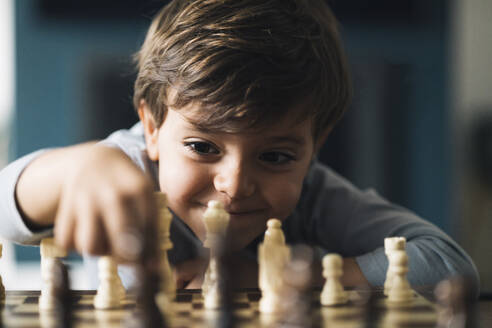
[{"x": 20, "y": 309}]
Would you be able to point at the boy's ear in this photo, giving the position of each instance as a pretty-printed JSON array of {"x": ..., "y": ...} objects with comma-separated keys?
[{"x": 151, "y": 131}]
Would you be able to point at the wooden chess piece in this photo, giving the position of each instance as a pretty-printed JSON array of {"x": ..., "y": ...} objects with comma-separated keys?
[
  {"x": 111, "y": 291},
  {"x": 333, "y": 292},
  {"x": 392, "y": 244},
  {"x": 225, "y": 282},
  {"x": 400, "y": 291},
  {"x": 63, "y": 295},
  {"x": 296, "y": 305},
  {"x": 273, "y": 256},
  {"x": 60, "y": 312},
  {"x": 168, "y": 286},
  {"x": 50, "y": 261},
  {"x": 457, "y": 304},
  {"x": 216, "y": 221},
  {"x": 149, "y": 278}
]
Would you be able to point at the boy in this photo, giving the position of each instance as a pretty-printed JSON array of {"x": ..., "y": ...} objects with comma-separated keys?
[{"x": 234, "y": 99}]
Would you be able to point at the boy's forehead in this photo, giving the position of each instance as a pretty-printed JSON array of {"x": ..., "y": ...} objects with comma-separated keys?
[{"x": 288, "y": 124}]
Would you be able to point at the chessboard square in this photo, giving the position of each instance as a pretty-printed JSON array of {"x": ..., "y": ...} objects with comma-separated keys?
[
  {"x": 244, "y": 314},
  {"x": 344, "y": 313},
  {"x": 21, "y": 321},
  {"x": 201, "y": 313},
  {"x": 241, "y": 298},
  {"x": 241, "y": 305},
  {"x": 84, "y": 314},
  {"x": 181, "y": 307},
  {"x": 398, "y": 318},
  {"x": 31, "y": 300},
  {"x": 14, "y": 300},
  {"x": 197, "y": 298},
  {"x": 254, "y": 297},
  {"x": 26, "y": 309},
  {"x": 110, "y": 316},
  {"x": 86, "y": 299},
  {"x": 184, "y": 298}
]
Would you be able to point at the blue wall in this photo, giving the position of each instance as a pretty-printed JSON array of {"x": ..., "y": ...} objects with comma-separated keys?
[{"x": 52, "y": 60}]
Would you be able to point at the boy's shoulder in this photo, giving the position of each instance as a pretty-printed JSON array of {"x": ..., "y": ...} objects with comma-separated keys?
[{"x": 132, "y": 142}]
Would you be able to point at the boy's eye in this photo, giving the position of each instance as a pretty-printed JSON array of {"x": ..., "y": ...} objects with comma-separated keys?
[
  {"x": 275, "y": 157},
  {"x": 201, "y": 147}
]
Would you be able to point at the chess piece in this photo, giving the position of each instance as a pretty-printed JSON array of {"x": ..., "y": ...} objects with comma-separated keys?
[
  {"x": 225, "y": 282},
  {"x": 2, "y": 288},
  {"x": 111, "y": 291},
  {"x": 457, "y": 304},
  {"x": 149, "y": 277},
  {"x": 333, "y": 292},
  {"x": 50, "y": 261},
  {"x": 392, "y": 244},
  {"x": 168, "y": 286},
  {"x": 400, "y": 291},
  {"x": 62, "y": 295},
  {"x": 296, "y": 296},
  {"x": 60, "y": 315},
  {"x": 216, "y": 220},
  {"x": 273, "y": 256}
]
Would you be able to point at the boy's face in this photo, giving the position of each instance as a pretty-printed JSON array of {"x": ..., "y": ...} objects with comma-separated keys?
[{"x": 257, "y": 176}]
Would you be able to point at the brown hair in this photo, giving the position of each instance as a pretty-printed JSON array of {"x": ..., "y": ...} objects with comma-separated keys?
[{"x": 245, "y": 62}]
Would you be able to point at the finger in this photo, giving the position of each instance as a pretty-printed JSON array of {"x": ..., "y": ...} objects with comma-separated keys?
[
  {"x": 90, "y": 236},
  {"x": 145, "y": 205},
  {"x": 64, "y": 227},
  {"x": 123, "y": 230}
]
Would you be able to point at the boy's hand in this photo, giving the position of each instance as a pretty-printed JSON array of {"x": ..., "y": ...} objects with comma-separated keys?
[{"x": 96, "y": 197}]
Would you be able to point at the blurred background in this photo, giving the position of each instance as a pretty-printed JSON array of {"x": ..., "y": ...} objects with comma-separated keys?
[{"x": 419, "y": 130}]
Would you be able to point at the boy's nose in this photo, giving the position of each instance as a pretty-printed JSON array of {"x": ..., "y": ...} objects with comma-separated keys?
[{"x": 234, "y": 181}]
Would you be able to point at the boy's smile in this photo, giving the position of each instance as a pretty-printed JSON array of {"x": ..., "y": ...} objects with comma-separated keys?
[{"x": 257, "y": 175}]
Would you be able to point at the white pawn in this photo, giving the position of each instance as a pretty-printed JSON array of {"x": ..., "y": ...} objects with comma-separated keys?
[
  {"x": 392, "y": 244},
  {"x": 212, "y": 297},
  {"x": 50, "y": 256},
  {"x": 216, "y": 220},
  {"x": 333, "y": 292},
  {"x": 168, "y": 286},
  {"x": 2, "y": 288},
  {"x": 111, "y": 291},
  {"x": 273, "y": 256},
  {"x": 400, "y": 291}
]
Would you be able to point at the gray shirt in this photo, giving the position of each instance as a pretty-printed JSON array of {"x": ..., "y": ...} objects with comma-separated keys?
[{"x": 332, "y": 215}]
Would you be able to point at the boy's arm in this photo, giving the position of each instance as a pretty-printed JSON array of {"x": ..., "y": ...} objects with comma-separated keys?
[
  {"x": 338, "y": 217},
  {"x": 93, "y": 194}
]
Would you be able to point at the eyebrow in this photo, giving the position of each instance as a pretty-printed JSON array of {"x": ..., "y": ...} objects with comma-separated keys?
[{"x": 298, "y": 141}]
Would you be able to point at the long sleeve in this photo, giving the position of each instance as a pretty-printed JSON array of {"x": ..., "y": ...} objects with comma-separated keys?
[
  {"x": 338, "y": 217},
  {"x": 12, "y": 226},
  {"x": 132, "y": 143}
]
